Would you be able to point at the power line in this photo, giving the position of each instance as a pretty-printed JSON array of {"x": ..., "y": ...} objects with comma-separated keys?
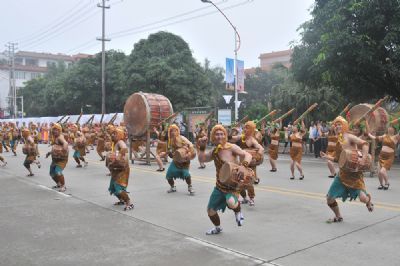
[
  {"x": 51, "y": 25},
  {"x": 55, "y": 34},
  {"x": 116, "y": 35},
  {"x": 55, "y": 31}
]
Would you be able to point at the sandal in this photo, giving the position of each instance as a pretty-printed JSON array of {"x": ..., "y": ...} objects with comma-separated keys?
[
  {"x": 160, "y": 170},
  {"x": 273, "y": 170},
  {"x": 386, "y": 187},
  {"x": 369, "y": 204},
  {"x": 292, "y": 178},
  {"x": 335, "y": 220},
  {"x": 301, "y": 177},
  {"x": 129, "y": 207},
  {"x": 381, "y": 187},
  {"x": 119, "y": 203}
]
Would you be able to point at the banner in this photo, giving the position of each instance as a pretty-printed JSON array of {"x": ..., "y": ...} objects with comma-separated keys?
[
  {"x": 230, "y": 73},
  {"x": 225, "y": 116},
  {"x": 240, "y": 69}
]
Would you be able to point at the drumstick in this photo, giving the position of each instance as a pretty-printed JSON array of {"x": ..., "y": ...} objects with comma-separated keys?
[
  {"x": 168, "y": 118},
  {"x": 272, "y": 113},
  {"x": 243, "y": 120},
  {"x": 312, "y": 107},
  {"x": 284, "y": 116},
  {"x": 345, "y": 110}
]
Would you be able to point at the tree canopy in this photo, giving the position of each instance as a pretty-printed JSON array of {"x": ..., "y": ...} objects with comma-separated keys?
[
  {"x": 163, "y": 63},
  {"x": 352, "y": 46}
]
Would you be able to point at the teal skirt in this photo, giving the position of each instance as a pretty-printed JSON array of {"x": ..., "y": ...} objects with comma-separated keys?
[
  {"x": 338, "y": 190},
  {"x": 218, "y": 199},
  {"x": 175, "y": 172},
  {"x": 115, "y": 189},
  {"x": 55, "y": 170},
  {"x": 77, "y": 154}
]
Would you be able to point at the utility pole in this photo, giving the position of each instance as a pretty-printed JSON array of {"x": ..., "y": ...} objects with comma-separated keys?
[
  {"x": 12, "y": 46},
  {"x": 103, "y": 57}
]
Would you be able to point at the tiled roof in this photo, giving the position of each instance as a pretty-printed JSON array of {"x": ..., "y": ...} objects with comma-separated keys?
[
  {"x": 44, "y": 56},
  {"x": 25, "y": 68}
]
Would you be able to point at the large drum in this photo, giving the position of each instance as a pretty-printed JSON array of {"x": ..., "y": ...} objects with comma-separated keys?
[
  {"x": 257, "y": 159},
  {"x": 143, "y": 111},
  {"x": 378, "y": 120},
  {"x": 58, "y": 152},
  {"x": 349, "y": 161},
  {"x": 228, "y": 176}
]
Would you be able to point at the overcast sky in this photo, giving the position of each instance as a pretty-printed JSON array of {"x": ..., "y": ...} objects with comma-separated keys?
[{"x": 71, "y": 26}]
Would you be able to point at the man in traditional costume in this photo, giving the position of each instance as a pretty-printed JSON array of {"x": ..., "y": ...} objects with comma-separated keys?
[{"x": 223, "y": 195}]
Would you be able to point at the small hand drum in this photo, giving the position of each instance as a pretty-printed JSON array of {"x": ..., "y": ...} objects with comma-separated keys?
[
  {"x": 349, "y": 161},
  {"x": 58, "y": 152},
  {"x": 257, "y": 159},
  {"x": 181, "y": 155},
  {"x": 114, "y": 162},
  {"x": 228, "y": 176},
  {"x": 29, "y": 150},
  {"x": 80, "y": 143}
]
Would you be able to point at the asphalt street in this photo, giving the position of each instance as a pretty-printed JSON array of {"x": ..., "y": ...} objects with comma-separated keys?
[{"x": 287, "y": 225}]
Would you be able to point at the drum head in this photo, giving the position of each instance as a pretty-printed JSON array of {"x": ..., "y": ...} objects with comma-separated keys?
[
  {"x": 378, "y": 121},
  {"x": 226, "y": 171}
]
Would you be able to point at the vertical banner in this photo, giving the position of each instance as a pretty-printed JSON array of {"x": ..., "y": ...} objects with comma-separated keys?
[
  {"x": 230, "y": 74},
  {"x": 240, "y": 69}
]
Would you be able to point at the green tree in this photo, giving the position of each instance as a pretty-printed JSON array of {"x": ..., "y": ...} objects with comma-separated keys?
[
  {"x": 352, "y": 46},
  {"x": 163, "y": 63}
]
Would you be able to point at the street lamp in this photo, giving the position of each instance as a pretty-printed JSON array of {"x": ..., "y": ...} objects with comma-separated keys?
[{"x": 237, "y": 47}]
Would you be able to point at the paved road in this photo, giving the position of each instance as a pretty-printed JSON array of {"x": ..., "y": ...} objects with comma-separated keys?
[{"x": 39, "y": 226}]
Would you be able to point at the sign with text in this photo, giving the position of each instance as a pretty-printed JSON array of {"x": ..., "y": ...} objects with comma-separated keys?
[{"x": 224, "y": 117}]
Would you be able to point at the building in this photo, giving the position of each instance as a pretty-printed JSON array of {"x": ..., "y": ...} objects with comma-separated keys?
[
  {"x": 28, "y": 65},
  {"x": 268, "y": 60}
]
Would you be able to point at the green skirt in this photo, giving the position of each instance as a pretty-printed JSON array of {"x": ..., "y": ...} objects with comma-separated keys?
[
  {"x": 115, "y": 189},
  {"x": 338, "y": 190},
  {"x": 175, "y": 172},
  {"x": 218, "y": 199}
]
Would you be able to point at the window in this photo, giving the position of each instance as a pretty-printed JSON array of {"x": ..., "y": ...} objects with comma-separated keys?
[
  {"x": 20, "y": 74},
  {"x": 35, "y": 75},
  {"x": 31, "y": 62}
]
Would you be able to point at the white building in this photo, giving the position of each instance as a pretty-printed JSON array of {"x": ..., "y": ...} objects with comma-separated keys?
[{"x": 28, "y": 65}]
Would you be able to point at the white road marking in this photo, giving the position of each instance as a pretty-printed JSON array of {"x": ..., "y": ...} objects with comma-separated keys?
[
  {"x": 47, "y": 188},
  {"x": 226, "y": 250}
]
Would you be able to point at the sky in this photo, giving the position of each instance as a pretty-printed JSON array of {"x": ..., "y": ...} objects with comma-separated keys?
[{"x": 72, "y": 26}]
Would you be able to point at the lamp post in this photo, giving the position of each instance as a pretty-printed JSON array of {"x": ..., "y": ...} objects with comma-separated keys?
[
  {"x": 15, "y": 107},
  {"x": 237, "y": 47}
]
